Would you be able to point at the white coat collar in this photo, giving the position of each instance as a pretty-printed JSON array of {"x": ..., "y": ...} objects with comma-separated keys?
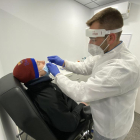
[
  {"x": 116, "y": 48},
  {"x": 108, "y": 57}
]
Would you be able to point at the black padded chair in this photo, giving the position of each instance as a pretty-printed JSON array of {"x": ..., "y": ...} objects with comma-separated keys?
[{"x": 17, "y": 103}]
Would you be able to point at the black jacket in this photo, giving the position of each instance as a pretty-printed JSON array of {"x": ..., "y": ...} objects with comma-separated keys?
[{"x": 60, "y": 112}]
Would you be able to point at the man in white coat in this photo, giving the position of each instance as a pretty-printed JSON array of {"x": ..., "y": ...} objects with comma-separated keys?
[{"x": 115, "y": 77}]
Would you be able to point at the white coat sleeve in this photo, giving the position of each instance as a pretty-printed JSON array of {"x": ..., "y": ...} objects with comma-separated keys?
[
  {"x": 111, "y": 80},
  {"x": 84, "y": 68}
]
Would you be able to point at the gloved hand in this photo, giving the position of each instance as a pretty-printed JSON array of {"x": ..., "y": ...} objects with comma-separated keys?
[
  {"x": 53, "y": 69},
  {"x": 55, "y": 59}
]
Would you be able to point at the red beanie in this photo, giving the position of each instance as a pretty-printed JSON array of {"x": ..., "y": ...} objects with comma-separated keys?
[{"x": 26, "y": 70}]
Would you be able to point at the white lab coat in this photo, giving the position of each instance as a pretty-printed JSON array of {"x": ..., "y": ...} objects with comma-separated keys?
[{"x": 111, "y": 89}]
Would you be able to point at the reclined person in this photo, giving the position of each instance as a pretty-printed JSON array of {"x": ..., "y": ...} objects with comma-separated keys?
[{"x": 61, "y": 113}]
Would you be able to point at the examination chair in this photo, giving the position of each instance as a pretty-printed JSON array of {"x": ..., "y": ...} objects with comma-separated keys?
[{"x": 19, "y": 106}]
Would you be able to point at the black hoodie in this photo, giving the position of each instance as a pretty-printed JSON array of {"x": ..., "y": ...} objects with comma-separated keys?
[{"x": 60, "y": 112}]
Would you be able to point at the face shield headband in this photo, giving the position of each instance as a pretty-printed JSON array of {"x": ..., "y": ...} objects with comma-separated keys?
[{"x": 100, "y": 32}]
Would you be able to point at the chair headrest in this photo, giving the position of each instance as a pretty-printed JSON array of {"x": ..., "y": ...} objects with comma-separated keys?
[{"x": 9, "y": 82}]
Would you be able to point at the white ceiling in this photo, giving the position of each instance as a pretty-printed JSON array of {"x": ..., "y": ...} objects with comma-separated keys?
[{"x": 94, "y": 3}]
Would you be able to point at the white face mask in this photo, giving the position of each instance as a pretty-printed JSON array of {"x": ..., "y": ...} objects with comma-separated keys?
[{"x": 96, "y": 50}]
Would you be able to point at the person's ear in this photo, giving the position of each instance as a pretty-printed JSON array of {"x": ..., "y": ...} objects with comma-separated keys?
[{"x": 111, "y": 38}]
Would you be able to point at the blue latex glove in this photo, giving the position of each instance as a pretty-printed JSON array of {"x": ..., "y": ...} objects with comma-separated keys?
[
  {"x": 53, "y": 69},
  {"x": 55, "y": 59}
]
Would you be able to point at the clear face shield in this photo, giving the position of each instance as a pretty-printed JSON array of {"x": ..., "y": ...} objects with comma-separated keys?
[{"x": 94, "y": 33}]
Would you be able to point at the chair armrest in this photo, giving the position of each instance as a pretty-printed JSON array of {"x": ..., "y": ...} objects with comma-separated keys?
[
  {"x": 87, "y": 110},
  {"x": 86, "y": 113}
]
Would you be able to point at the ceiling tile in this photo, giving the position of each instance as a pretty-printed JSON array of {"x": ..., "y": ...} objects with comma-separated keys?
[
  {"x": 103, "y": 2},
  {"x": 84, "y": 1},
  {"x": 92, "y": 5}
]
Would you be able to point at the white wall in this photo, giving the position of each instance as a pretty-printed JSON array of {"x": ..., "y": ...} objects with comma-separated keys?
[
  {"x": 2, "y": 132},
  {"x": 1, "y": 70},
  {"x": 39, "y": 28},
  {"x": 8, "y": 129},
  {"x": 131, "y": 25}
]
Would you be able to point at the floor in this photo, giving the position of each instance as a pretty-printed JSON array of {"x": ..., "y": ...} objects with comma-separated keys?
[{"x": 134, "y": 133}]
